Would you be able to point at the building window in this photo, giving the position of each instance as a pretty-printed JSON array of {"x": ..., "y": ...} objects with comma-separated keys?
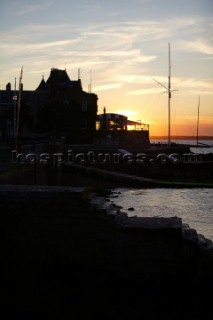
[
  {"x": 84, "y": 105},
  {"x": 98, "y": 125}
]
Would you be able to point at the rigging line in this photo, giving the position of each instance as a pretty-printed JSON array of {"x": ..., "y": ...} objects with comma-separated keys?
[
  {"x": 198, "y": 116},
  {"x": 159, "y": 83}
]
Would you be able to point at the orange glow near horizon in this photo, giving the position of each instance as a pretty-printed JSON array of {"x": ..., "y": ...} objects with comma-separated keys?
[
  {"x": 180, "y": 129},
  {"x": 153, "y": 110}
]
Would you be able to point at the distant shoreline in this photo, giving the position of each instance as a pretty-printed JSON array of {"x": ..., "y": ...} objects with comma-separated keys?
[{"x": 181, "y": 137}]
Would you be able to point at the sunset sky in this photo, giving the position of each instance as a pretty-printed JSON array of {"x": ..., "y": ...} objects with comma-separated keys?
[{"x": 119, "y": 47}]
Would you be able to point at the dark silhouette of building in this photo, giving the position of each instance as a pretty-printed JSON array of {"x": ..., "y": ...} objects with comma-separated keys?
[
  {"x": 58, "y": 107},
  {"x": 8, "y": 112},
  {"x": 61, "y": 107},
  {"x": 117, "y": 130}
]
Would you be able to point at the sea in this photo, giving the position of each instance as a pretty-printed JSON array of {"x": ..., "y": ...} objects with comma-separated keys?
[
  {"x": 193, "y": 205},
  {"x": 204, "y": 146}
]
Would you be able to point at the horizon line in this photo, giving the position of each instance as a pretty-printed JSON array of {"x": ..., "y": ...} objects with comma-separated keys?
[{"x": 181, "y": 137}]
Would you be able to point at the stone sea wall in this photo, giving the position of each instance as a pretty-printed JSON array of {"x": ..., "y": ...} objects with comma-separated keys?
[{"x": 74, "y": 226}]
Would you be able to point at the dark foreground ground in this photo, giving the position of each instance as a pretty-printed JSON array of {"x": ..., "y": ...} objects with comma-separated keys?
[
  {"x": 63, "y": 291},
  {"x": 54, "y": 288}
]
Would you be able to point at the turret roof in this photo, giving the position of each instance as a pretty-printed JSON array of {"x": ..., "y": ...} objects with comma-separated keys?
[{"x": 42, "y": 86}]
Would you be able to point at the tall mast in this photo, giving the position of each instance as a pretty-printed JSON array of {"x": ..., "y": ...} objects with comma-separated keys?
[
  {"x": 198, "y": 115},
  {"x": 169, "y": 95},
  {"x": 168, "y": 90},
  {"x": 14, "y": 122},
  {"x": 19, "y": 103}
]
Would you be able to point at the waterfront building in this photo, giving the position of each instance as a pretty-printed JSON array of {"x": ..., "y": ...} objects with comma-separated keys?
[
  {"x": 61, "y": 107},
  {"x": 118, "y": 131},
  {"x": 57, "y": 107},
  {"x": 8, "y": 112}
]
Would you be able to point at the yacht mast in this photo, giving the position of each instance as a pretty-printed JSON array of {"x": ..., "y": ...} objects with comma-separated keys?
[
  {"x": 168, "y": 90},
  {"x": 14, "y": 113},
  {"x": 169, "y": 96},
  {"x": 19, "y": 104},
  {"x": 198, "y": 115}
]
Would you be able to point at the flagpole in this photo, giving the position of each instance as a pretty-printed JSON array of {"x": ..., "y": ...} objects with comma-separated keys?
[{"x": 18, "y": 109}]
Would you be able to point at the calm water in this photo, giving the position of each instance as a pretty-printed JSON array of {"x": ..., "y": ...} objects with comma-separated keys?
[
  {"x": 195, "y": 149},
  {"x": 194, "y": 206}
]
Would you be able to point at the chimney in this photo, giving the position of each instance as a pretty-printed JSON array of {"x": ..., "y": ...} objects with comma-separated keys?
[{"x": 8, "y": 86}]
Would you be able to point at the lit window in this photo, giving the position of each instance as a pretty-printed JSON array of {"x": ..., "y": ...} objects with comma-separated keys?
[{"x": 98, "y": 125}]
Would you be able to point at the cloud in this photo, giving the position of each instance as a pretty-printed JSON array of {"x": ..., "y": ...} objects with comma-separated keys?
[
  {"x": 183, "y": 85},
  {"x": 108, "y": 86},
  {"x": 192, "y": 82},
  {"x": 105, "y": 43},
  {"x": 121, "y": 54},
  {"x": 29, "y": 8},
  {"x": 110, "y": 40},
  {"x": 12, "y": 49},
  {"x": 198, "y": 45},
  {"x": 144, "y": 91}
]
